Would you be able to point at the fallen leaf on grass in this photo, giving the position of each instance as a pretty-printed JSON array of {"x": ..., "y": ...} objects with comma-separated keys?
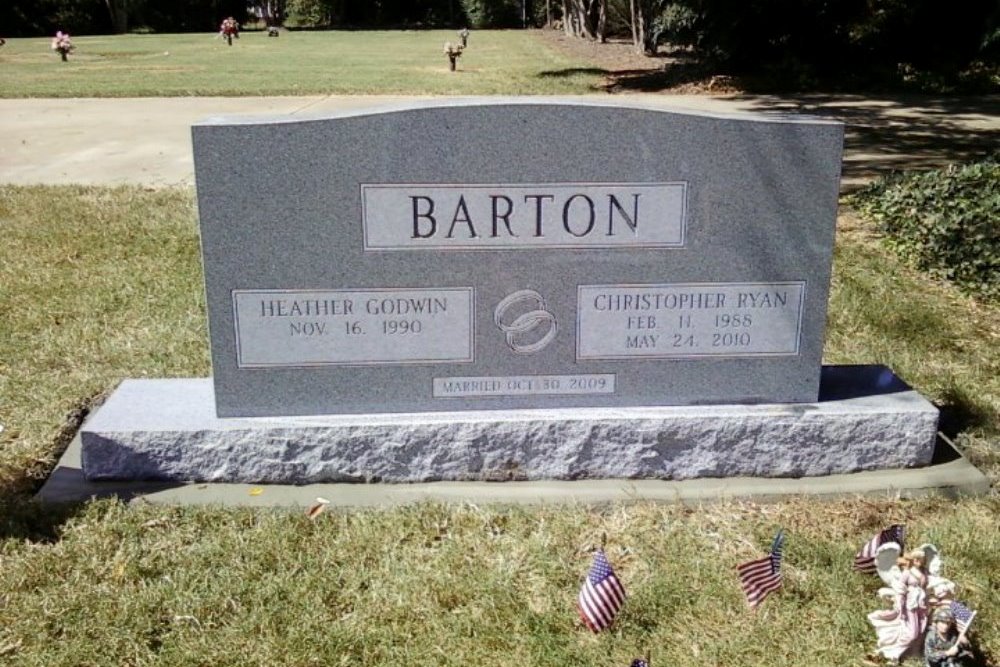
[{"x": 317, "y": 508}]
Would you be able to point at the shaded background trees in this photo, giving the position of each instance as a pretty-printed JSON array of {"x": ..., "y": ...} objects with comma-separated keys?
[
  {"x": 78, "y": 17},
  {"x": 821, "y": 37},
  {"x": 44, "y": 17},
  {"x": 803, "y": 42},
  {"x": 794, "y": 41}
]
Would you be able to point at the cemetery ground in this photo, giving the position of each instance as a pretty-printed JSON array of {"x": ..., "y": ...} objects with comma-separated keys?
[
  {"x": 297, "y": 63},
  {"x": 105, "y": 283},
  {"x": 101, "y": 283}
]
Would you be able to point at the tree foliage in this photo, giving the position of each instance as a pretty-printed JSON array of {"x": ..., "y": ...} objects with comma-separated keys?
[
  {"x": 793, "y": 39},
  {"x": 389, "y": 13},
  {"x": 45, "y": 17},
  {"x": 820, "y": 37},
  {"x": 42, "y": 17},
  {"x": 493, "y": 13}
]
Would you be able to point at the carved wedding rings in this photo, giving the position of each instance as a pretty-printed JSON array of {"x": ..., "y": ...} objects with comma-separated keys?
[{"x": 526, "y": 322}]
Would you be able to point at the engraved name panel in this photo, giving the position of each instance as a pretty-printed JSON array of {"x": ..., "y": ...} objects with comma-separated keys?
[
  {"x": 524, "y": 385},
  {"x": 689, "y": 320},
  {"x": 500, "y": 217},
  {"x": 297, "y": 328}
]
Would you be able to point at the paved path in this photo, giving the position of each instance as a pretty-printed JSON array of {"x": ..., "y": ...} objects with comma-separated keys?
[{"x": 147, "y": 141}]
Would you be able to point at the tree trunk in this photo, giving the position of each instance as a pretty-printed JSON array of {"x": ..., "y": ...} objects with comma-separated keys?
[
  {"x": 119, "y": 15},
  {"x": 581, "y": 12},
  {"x": 643, "y": 13},
  {"x": 649, "y": 14},
  {"x": 567, "y": 19},
  {"x": 602, "y": 20},
  {"x": 649, "y": 44},
  {"x": 63, "y": 52},
  {"x": 638, "y": 25},
  {"x": 273, "y": 12},
  {"x": 548, "y": 13}
]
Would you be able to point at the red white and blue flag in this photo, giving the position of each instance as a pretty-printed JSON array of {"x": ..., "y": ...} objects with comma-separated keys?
[
  {"x": 864, "y": 561},
  {"x": 963, "y": 615},
  {"x": 602, "y": 595},
  {"x": 762, "y": 576}
]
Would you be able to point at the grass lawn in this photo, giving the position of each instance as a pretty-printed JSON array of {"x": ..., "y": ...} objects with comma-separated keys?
[
  {"x": 102, "y": 284},
  {"x": 297, "y": 63}
]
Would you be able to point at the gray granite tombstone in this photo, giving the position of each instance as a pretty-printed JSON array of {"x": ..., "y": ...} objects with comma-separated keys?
[
  {"x": 515, "y": 255},
  {"x": 514, "y": 289}
]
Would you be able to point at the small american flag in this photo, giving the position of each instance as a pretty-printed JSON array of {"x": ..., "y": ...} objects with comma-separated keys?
[
  {"x": 639, "y": 662},
  {"x": 762, "y": 576},
  {"x": 864, "y": 561},
  {"x": 963, "y": 615},
  {"x": 601, "y": 596}
]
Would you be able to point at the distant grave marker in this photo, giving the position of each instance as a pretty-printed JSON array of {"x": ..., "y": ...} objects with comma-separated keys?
[{"x": 453, "y": 51}]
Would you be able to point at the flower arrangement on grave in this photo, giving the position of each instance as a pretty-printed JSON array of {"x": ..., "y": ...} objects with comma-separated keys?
[
  {"x": 229, "y": 29},
  {"x": 464, "y": 36},
  {"x": 62, "y": 44},
  {"x": 453, "y": 51}
]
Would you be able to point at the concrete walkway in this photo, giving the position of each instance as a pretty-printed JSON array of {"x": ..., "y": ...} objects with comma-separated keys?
[{"x": 147, "y": 141}]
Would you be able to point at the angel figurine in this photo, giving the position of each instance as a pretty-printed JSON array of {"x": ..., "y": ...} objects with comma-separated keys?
[
  {"x": 908, "y": 579},
  {"x": 940, "y": 589}
]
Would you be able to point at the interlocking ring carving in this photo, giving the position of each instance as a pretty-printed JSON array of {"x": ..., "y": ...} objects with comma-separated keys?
[{"x": 525, "y": 322}]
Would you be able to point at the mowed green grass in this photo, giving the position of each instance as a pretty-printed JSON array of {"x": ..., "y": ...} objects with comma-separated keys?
[
  {"x": 100, "y": 284},
  {"x": 297, "y": 63},
  {"x": 455, "y": 585}
]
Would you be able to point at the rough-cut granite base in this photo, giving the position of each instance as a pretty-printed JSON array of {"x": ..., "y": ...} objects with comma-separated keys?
[{"x": 866, "y": 419}]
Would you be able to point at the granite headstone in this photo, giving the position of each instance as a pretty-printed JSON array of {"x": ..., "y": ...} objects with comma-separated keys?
[
  {"x": 514, "y": 290},
  {"x": 515, "y": 254}
]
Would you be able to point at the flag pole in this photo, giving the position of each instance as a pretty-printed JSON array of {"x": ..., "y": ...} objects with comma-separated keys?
[{"x": 961, "y": 635}]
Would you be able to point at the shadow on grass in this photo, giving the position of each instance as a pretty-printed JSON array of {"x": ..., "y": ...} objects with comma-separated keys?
[
  {"x": 981, "y": 655},
  {"x": 27, "y": 520},
  {"x": 960, "y": 412},
  {"x": 573, "y": 71},
  {"x": 661, "y": 78},
  {"x": 22, "y": 518}
]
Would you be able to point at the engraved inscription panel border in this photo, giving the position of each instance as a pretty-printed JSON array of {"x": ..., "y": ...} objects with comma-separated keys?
[
  {"x": 670, "y": 200},
  {"x": 466, "y": 355},
  {"x": 576, "y": 384},
  {"x": 596, "y": 346}
]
